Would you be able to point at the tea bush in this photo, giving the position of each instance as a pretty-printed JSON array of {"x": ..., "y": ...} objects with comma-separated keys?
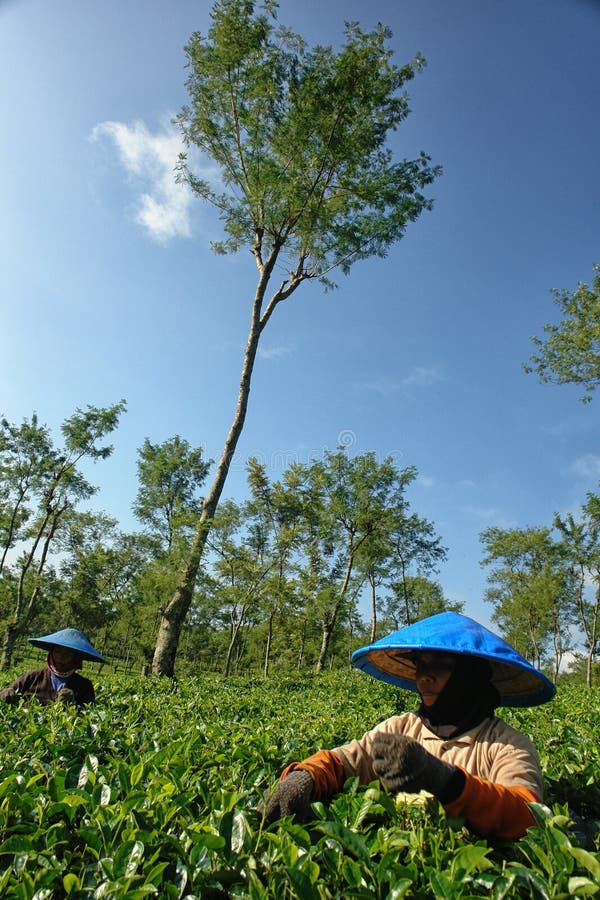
[{"x": 153, "y": 792}]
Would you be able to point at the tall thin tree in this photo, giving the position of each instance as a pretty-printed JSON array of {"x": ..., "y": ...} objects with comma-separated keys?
[{"x": 308, "y": 182}]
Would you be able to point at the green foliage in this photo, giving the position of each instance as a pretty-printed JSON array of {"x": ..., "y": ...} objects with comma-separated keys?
[
  {"x": 40, "y": 485},
  {"x": 417, "y": 597},
  {"x": 570, "y": 353},
  {"x": 169, "y": 475},
  {"x": 153, "y": 792},
  {"x": 545, "y": 587},
  {"x": 532, "y": 589},
  {"x": 299, "y": 136},
  {"x": 285, "y": 570},
  {"x": 581, "y": 547}
]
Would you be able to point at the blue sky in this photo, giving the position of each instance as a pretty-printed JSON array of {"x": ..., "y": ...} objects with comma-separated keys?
[{"x": 110, "y": 289}]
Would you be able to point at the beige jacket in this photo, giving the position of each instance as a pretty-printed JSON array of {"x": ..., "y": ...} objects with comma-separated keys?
[{"x": 493, "y": 750}]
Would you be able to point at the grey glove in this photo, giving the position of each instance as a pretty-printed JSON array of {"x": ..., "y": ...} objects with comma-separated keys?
[
  {"x": 67, "y": 695},
  {"x": 402, "y": 764},
  {"x": 290, "y": 797}
]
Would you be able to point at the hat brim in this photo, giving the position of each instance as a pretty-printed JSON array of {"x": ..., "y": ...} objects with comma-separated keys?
[
  {"x": 72, "y": 639},
  {"x": 518, "y": 683}
]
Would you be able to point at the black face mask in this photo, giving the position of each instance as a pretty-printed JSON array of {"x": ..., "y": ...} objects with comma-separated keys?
[{"x": 468, "y": 698}]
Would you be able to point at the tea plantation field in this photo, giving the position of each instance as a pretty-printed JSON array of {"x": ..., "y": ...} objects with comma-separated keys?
[{"x": 153, "y": 792}]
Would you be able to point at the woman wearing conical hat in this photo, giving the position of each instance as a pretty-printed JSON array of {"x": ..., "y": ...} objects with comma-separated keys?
[
  {"x": 453, "y": 745},
  {"x": 59, "y": 679}
]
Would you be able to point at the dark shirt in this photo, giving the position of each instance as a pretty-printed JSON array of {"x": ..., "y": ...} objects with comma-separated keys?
[{"x": 38, "y": 684}]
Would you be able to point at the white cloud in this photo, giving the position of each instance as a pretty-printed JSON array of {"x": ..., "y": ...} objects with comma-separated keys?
[
  {"x": 425, "y": 481},
  {"x": 273, "y": 352},
  {"x": 569, "y": 659},
  {"x": 421, "y": 376},
  {"x": 487, "y": 516},
  {"x": 163, "y": 206},
  {"x": 385, "y": 387},
  {"x": 587, "y": 466},
  {"x": 557, "y": 429},
  {"x": 417, "y": 377},
  {"x": 484, "y": 513}
]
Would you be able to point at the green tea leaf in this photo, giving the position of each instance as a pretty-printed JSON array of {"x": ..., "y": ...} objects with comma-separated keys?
[
  {"x": 19, "y": 844},
  {"x": 468, "y": 859},
  {"x": 136, "y": 773},
  {"x": 4, "y": 879},
  {"x": 582, "y": 887},
  {"x": 588, "y": 860},
  {"x": 301, "y": 883},
  {"x": 441, "y": 886},
  {"x": 400, "y": 889},
  {"x": 239, "y": 832},
  {"x": 351, "y": 872},
  {"x": 135, "y": 857},
  {"x": 348, "y": 839},
  {"x": 71, "y": 883}
]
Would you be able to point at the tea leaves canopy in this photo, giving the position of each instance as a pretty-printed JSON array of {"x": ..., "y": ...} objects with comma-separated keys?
[{"x": 153, "y": 792}]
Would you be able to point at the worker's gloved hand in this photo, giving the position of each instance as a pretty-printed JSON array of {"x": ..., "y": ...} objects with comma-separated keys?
[
  {"x": 290, "y": 797},
  {"x": 10, "y": 696},
  {"x": 402, "y": 764},
  {"x": 66, "y": 695}
]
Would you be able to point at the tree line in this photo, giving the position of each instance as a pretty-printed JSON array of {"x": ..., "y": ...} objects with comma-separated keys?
[
  {"x": 294, "y": 577},
  {"x": 285, "y": 570}
]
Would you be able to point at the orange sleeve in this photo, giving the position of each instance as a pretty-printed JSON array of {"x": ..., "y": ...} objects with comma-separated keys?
[
  {"x": 326, "y": 770},
  {"x": 494, "y": 809}
]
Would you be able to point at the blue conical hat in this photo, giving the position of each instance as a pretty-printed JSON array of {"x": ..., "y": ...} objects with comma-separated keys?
[
  {"x": 516, "y": 680},
  {"x": 71, "y": 638}
]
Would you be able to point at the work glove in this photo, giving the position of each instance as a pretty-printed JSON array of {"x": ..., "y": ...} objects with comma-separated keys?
[
  {"x": 290, "y": 797},
  {"x": 66, "y": 695},
  {"x": 403, "y": 765},
  {"x": 10, "y": 696}
]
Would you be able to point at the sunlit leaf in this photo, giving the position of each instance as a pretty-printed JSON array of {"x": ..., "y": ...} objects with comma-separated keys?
[{"x": 587, "y": 860}]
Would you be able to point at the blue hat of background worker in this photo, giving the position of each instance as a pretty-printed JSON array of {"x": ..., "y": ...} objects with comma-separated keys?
[
  {"x": 516, "y": 680},
  {"x": 70, "y": 638}
]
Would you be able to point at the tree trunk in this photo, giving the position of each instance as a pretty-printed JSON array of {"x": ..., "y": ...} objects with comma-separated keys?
[
  {"x": 174, "y": 613},
  {"x": 301, "y": 649},
  {"x": 591, "y": 630},
  {"x": 10, "y": 531},
  {"x": 329, "y": 623},
  {"x": 11, "y": 634},
  {"x": 268, "y": 646},
  {"x": 373, "y": 608},
  {"x": 235, "y": 629},
  {"x": 326, "y": 633},
  {"x": 407, "y": 614}
]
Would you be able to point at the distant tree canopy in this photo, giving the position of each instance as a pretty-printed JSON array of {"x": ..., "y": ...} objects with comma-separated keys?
[
  {"x": 530, "y": 588},
  {"x": 284, "y": 579},
  {"x": 570, "y": 352},
  {"x": 40, "y": 487},
  {"x": 326, "y": 558},
  {"x": 170, "y": 475},
  {"x": 544, "y": 584}
]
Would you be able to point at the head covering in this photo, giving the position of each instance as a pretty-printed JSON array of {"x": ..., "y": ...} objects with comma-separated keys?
[
  {"x": 467, "y": 699},
  {"x": 61, "y": 673},
  {"x": 70, "y": 638},
  {"x": 389, "y": 659}
]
